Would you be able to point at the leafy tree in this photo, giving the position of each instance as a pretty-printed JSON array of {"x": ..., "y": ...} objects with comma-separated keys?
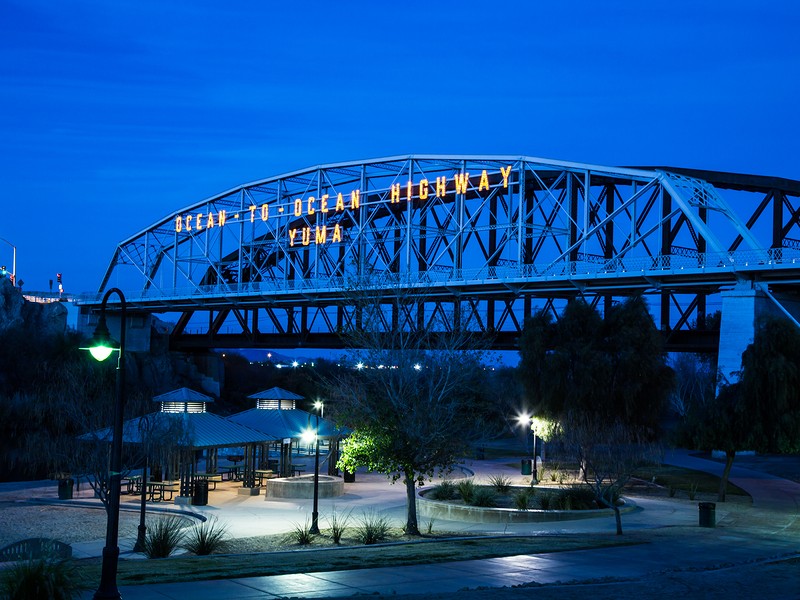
[
  {"x": 611, "y": 369},
  {"x": 415, "y": 404},
  {"x": 759, "y": 412},
  {"x": 604, "y": 380}
]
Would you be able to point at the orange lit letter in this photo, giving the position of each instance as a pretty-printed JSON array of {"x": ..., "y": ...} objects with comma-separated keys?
[
  {"x": 355, "y": 199},
  {"x": 321, "y": 235},
  {"x": 337, "y": 233},
  {"x": 505, "y": 173},
  {"x": 253, "y": 208},
  {"x": 189, "y": 222},
  {"x": 484, "y": 184},
  {"x": 292, "y": 235},
  {"x": 395, "y": 193},
  {"x": 298, "y": 207},
  {"x": 221, "y": 216},
  {"x": 311, "y": 201},
  {"x": 462, "y": 179},
  {"x": 178, "y": 224},
  {"x": 323, "y": 203},
  {"x": 210, "y": 222},
  {"x": 264, "y": 212},
  {"x": 441, "y": 187},
  {"x": 306, "y": 236},
  {"x": 339, "y": 202},
  {"x": 198, "y": 220},
  {"x": 423, "y": 189}
]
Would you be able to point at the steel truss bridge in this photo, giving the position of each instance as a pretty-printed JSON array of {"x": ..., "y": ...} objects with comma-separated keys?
[{"x": 482, "y": 240}]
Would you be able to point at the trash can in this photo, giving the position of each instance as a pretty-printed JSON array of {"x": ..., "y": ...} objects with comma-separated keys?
[
  {"x": 526, "y": 466},
  {"x": 349, "y": 477},
  {"x": 200, "y": 495},
  {"x": 708, "y": 514},
  {"x": 65, "y": 488}
]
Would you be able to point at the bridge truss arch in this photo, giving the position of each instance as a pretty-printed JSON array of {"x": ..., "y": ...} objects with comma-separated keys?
[{"x": 478, "y": 238}]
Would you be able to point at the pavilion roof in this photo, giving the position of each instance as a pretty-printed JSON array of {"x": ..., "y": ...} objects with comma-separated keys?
[
  {"x": 190, "y": 430},
  {"x": 183, "y": 394},
  {"x": 284, "y": 424},
  {"x": 275, "y": 393}
]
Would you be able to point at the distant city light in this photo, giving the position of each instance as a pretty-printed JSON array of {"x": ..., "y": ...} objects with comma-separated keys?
[
  {"x": 360, "y": 366},
  {"x": 417, "y": 367},
  {"x": 295, "y": 363}
]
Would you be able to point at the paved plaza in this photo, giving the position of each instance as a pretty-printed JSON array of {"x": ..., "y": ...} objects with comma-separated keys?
[{"x": 706, "y": 549}]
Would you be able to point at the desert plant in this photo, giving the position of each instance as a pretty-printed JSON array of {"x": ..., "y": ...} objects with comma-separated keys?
[
  {"x": 301, "y": 533},
  {"x": 446, "y": 490},
  {"x": 522, "y": 499},
  {"x": 429, "y": 527},
  {"x": 338, "y": 524},
  {"x": 575, "y": 498},
  {"x": 372, "y": 528},
  {"x": 466, "y": 489},
  {"x": 164, "y": 537},
  {"x": 42, "y": 578},
  {"x": 484, "y": 496},
  {"x": 544, "y": 501},
  {"x": 554, "y": 475},
  {"x": 501, "y": 483},
  {"x": 206, "y": 538}
]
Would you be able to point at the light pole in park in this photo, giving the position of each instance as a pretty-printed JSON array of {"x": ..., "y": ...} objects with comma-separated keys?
[
  {"x": 315, "y": 509},
  {"x": 529, "y": 423},
  {"x": 101, "y": 346}
]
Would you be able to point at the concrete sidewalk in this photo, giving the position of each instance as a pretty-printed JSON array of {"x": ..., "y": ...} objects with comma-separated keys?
[{"x": 708, "y": 548}]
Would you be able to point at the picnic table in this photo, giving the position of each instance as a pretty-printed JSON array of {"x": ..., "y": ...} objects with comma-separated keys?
[
  {"x": 158, "y": 490},
  {"x": 233, "y": 472},
  {"x": 297, "y": 469}
]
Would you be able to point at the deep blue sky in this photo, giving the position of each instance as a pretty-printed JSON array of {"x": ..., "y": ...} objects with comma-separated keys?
[{"x": 114, "y": 113}]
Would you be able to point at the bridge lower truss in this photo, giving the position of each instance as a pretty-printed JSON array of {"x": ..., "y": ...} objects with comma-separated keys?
[{"x": 479, "y": 240}]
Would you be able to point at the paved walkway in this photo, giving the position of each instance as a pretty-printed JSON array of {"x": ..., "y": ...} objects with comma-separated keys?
[{"x": 706, "y": 549}]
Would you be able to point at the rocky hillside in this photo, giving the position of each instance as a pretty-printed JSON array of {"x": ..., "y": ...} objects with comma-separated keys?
[{"x": 45, "y": 320}]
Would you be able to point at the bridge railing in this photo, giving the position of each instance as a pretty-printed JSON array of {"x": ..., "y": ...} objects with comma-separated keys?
[{"x": 586, "y": 268}]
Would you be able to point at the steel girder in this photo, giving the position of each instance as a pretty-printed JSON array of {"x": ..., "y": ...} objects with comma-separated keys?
[{"x": 468, "y": 238}]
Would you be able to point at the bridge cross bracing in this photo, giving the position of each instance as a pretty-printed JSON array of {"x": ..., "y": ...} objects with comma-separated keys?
[{"x": 481, "y": 240}]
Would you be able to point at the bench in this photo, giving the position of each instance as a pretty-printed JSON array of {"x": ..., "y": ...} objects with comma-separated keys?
[
  {"x": 264, "y": 474},
  {"x": 34, "y": 548}
]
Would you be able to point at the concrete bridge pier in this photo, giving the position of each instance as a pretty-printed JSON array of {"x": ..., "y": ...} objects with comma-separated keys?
[{"x": 742, "y": 307}]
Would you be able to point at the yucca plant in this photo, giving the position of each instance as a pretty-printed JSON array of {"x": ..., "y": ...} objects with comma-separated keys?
[
  {"x": 337, "y": 525},
  {"x": 41, "y": 578},
  {"x": 164, "y": 537},
  {"x": 446, "y": 490},
  {"x": 206, "y": 538},
  {"x": 501, "y": 483},
  {"x": 302, "y": 533},
  {"x": 522, "y": 499},
  {"x": 466, "y": 489},
  {"x": 484, "y": 496},
  {"x": 372, "y": 528}
]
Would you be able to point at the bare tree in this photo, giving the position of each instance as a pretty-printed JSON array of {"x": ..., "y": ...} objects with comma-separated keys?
[
  {"x": 608, "y": 457},
  {"x": 413, "y": 395}
]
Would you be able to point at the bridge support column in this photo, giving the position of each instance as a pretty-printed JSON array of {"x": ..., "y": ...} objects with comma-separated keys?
[{"x": 741, "y": 309}]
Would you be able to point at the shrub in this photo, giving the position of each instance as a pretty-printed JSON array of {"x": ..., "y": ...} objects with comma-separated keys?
[
  {"x": 41, "y": 578},
  {"x": 692, "y": 491},
  {"x": 446, "y": 490},
  {"x": 500, "y": 483},
  {"x": 206, "y": 538},
  {"x": 574, "y": 498},
  {"x": 429, "y": 526},
  {"x": 373, "y": 528},
  {"x": 338, "y": 525},
  {"x": 544, "y": 501},
  {"x": 522, "y": 499},
  {"x": 484, "y": 496},
  {"x": 164, "y": 537},
  {"x": 466, "y": 489},
  {"x": 555, "y": 475},
  {"x": 301, "y": 534}
]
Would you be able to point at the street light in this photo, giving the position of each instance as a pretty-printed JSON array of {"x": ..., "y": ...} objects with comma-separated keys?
[
  {"x": 528, "y": 422},
  {"x": 13, "y": 259},
  {"x": 308, "y": 435},
  {"x": 101, "y": 346}
]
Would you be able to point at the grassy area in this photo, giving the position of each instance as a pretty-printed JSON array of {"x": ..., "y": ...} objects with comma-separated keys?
[
  {"x": 133, "y": 572},
  {"x": 683, "y": 479}
]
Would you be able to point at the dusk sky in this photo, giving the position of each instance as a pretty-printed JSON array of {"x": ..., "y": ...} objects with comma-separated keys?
[{"x": 115, "y": 113}]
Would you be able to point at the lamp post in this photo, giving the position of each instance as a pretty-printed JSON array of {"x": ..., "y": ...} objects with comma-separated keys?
[
  {"x": 13, "y": 259},
  {"x": 315, "y": 510},
  {"x": 528, "y": 422},
  {"x": 101, "y": 347}
]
